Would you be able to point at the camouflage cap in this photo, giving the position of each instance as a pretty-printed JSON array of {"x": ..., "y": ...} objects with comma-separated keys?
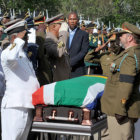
[
  {"x": 56, "y": 19},
  {"x": 130, "y": 28}
]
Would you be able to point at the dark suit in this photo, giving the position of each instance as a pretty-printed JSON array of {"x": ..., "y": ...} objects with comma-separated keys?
[{"x": 77, "y": 51}]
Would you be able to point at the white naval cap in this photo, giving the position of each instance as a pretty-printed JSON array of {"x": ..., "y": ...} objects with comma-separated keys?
[{"x": 16, "y": 26}]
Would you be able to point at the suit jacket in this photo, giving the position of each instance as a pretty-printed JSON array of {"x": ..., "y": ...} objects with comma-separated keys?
[
  {"x": 20, "y": 77},
  {"x": 77, "y": 51}
]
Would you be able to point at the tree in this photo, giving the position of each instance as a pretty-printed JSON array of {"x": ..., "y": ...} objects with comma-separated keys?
[
  {"x": 116, "y": 11},
  {"x": 40, "y": 5}
]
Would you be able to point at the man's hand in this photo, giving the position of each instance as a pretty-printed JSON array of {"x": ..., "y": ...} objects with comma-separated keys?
[
  {"x": 121, "y": 119},
  {"x": 21, "y": 34},
  {"x": 101, "y": 47}
]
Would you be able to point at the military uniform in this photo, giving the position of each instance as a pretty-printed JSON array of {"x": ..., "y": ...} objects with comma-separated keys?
[
  {"x": 58, "y": 58},
  {"x": 104, "y": 59},
  {"x": 94, "y": 41},
  {"x": 124, "y": 79},
  {"x": 56, "y": 50},
  {"x": 20, "y": 76},
  {"x": 93, "y": 44},
  {"x": 121, "y": 98},
  {"x": 44, "y": 71}
]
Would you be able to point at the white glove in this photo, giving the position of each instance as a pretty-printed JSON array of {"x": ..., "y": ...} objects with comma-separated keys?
[
  {"x": 99, "y": 42},
  {"x": 64, "y": 27}
]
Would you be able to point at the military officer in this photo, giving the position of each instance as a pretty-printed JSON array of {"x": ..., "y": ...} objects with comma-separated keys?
[
  {"x": 95, "y": 42},
  {"x": 44, "y": 72},
  {"x": 121, "y": 98},
  {"x": 55, "y": 45},
  {"x": 92, "y": 45},
  {"x": 105, "y": 58},
  {"x": 21, "y": 82}
]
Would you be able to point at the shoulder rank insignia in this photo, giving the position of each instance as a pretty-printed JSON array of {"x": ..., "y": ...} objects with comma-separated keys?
[
  {"x": 123, "y": 101},
  {"x": 13, "y": 45},
  {"x": 29, "y": 54},
  {"x": 60, "y": 44}
]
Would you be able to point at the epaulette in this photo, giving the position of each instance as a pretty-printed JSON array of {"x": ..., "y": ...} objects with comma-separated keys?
[
  {"x": 60, "y": 44},
  {"x": 13, "y": 45}
]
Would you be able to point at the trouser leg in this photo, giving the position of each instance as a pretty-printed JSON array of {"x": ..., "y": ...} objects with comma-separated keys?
[{"x": 120, "y": 132}]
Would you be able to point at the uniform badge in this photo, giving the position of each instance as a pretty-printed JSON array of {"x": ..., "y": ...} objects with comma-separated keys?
[
  {"x": 113, "y": 67},
  {"x": 29, "y": 54},
  {"x": 60, "y": 44},
  {"x": 13, "y": 45},
  {"x": 123, "y": 101}
]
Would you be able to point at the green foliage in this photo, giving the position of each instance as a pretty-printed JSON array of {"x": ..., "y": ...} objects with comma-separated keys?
[
  {"x": 23, "y": 5},
  {"x": 116, "y": 11}
]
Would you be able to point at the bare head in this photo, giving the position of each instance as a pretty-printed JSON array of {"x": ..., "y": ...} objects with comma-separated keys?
[{"x": 73, "y": 20}]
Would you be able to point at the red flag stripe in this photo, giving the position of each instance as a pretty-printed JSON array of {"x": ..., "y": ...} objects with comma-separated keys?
[{"x": 37, "y": 97}]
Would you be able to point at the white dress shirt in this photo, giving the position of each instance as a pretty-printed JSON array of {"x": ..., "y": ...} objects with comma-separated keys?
[
  {"x": 71, "y": 35},
  {"x": 20, "y": 77}
]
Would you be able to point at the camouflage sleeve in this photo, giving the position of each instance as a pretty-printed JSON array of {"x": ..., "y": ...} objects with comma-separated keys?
[
  {"x": 92, "y": 57},
  {"x": 127, "y": 77}
]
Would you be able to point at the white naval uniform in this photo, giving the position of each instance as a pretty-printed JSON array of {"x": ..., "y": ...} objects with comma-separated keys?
[
  {"x": 21, "y": 82},
  {"x": 2, "y": 80}
]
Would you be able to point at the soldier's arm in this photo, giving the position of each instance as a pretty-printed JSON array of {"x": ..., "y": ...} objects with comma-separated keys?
[
  {"x": 57, "y": 49},
  {"x": 90, "y": 56},
  {"x": 11, "y": 54},
  {"x": 63, "y": 36},
  {"x": 94, "y": 57},
  {"x": 126, "y": 82},
  {"x": 51, "y": 47}
]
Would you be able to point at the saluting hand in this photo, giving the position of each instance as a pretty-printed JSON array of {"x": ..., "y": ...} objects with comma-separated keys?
[{"x": 21, "y": 34}]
